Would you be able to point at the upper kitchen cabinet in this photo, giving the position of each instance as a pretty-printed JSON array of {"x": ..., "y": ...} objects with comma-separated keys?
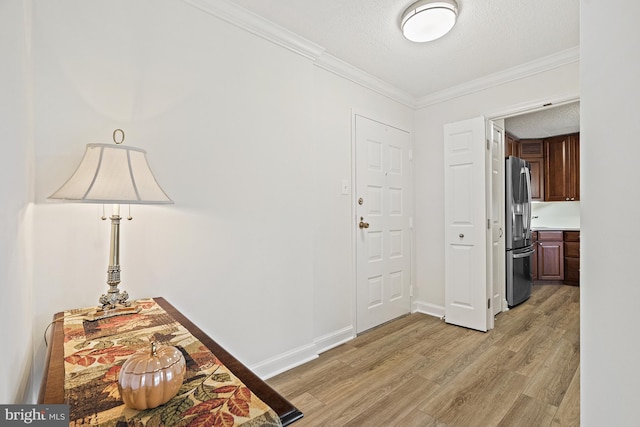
[
  {"x": 511, "y": 146},
  {"x": 532, "y": 150},
  {"x": 562, "y": 168}
]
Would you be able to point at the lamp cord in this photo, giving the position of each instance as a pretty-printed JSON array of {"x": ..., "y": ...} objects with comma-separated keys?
[{"x": 63, "y": 318}]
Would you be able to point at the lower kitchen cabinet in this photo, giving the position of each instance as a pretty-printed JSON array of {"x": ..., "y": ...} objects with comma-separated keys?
[
  {"x": 550, "y": 255},
  {"x": 572, "y": 258},
  {"x": 534, "y": 257}
]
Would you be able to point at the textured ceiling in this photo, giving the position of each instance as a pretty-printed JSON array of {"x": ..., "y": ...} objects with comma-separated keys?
[
  {"x": 551, "y": 121},
  {"x": 490, "y": 36}
]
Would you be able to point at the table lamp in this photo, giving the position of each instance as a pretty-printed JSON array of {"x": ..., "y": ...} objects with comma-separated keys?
[{"x": 113, "y": 174}]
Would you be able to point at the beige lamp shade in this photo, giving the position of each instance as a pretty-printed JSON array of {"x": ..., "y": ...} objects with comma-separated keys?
[{"x": 110, "y": 173}]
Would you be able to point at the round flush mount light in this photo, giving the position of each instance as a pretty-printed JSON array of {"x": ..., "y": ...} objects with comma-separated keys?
[{"x": 428, "y": 20}]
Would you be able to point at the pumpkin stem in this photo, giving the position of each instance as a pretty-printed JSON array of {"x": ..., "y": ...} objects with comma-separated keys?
[{"x": 153, "y": 348}]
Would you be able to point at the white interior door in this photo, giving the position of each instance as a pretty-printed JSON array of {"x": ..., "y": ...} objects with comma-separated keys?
[
  {"x": 383, "y": 215},
  {"x": 467, "y": 284},
  {"x": 499, "y": 301}
]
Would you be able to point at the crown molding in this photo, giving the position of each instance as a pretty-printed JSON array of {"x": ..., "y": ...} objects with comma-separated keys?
[
  {"x": 267, "y": 30},
  {"x": 518, "y": 72},
  {"x": 356, "y": 75},
  {"x": 257, "y": 25}
]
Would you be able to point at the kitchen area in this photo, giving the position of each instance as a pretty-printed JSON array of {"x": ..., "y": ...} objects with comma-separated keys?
[{"x": 548, "y": 142}]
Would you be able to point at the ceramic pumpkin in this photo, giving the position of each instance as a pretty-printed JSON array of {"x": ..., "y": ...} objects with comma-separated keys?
[{"x": 151, "y": 377}]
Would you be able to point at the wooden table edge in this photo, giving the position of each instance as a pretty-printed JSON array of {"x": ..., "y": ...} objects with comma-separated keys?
[
  {"x": 52, "y": 386},
  {"x": 285, "y": 410}
]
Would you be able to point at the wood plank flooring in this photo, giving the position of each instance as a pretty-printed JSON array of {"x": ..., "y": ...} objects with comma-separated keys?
[{"x": 420, "y": 371}]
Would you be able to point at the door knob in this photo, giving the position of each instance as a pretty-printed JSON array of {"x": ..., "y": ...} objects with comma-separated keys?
[{"x": 363, "y": 224}]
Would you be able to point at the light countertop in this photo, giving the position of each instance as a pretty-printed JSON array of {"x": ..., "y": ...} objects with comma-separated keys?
[{"x": 555, "y": 228}]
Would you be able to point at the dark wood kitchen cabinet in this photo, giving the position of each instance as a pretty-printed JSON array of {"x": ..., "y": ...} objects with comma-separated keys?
[
  {"x": 572, "y": 258},
  {"x": 550, "y": 255},
  {"x": 511, "y": 146},
  {"x": 532, "y": 150},
  {"x": 534, "y": 257},
  {"x": 562, "y": 168}
]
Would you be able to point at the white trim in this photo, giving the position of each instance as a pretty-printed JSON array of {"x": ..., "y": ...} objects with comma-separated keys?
[
  {"x": 352, "y": 224},
  {"x": 533, "y": 106},
  {"x": 261, "y": 27},
  {"x": 510, "y": 74},
  {"x": 428, "y": 308},
  {"x": 334, "y": 339},
  {"x": 364, "y": 79},
  {"x": 301, "y": 355},
  {"x": 285, "y": 361}
]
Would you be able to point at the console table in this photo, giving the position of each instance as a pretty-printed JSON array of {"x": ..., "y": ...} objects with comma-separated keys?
[{"x": 52, "y": 387}]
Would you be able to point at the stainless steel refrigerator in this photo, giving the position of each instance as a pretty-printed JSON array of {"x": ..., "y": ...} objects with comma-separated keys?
[{"x": 519, "y": 245}]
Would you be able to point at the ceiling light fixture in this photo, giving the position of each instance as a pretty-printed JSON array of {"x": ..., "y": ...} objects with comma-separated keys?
[{"x": 427, "y": 20}]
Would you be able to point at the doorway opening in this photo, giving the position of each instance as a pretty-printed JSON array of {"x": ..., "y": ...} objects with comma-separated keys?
[{"x": 547, "y": 136}]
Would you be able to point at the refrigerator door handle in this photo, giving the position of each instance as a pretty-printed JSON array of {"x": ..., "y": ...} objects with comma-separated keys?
[
  {"x": 527, "y": 180},
  {"x": 523, "y": 254}
]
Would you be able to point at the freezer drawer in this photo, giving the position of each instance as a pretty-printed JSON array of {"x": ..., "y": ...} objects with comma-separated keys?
[{"x": 519, "y": 280}]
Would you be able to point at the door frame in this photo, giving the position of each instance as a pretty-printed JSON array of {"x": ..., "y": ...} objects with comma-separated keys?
[
  {"x": 353, "y": 213},
  {"x": 526, "y": 108},
  {"x": 501, "y": 305},
  {"x": 531, "y": 106}
]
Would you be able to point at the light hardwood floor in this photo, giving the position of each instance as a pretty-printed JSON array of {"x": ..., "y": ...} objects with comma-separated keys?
[{"x": 419, "y": 371}]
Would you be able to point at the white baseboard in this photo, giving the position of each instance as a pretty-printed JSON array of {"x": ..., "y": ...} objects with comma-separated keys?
[
  {"x": 296, "y": 357},
  {"x": 285, "y": 361},
  {"x": 334, "y": 339},
  {"x": 428, "y": 308}
]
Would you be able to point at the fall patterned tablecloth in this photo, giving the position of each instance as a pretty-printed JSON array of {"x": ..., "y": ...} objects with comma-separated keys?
[{"x": 95, "y": 351}]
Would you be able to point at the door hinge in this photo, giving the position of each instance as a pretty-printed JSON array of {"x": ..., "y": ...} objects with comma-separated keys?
[
  {"x": 489, "y": 224},
  {"x": 488, "y": 144},
  {"x": 488, "y": 303}
]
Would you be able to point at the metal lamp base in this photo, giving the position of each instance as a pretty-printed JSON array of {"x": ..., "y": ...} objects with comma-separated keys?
[
  {"x": 101, "y": 313},
  {"x": 114, "y": 302}
]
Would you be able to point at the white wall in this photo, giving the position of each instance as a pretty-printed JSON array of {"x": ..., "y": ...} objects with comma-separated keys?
[
  {"x": 252, "y": 142},
  {"x": 16, "y": 176},
  {"x": 610, "y": 291},
  {"x": 561, "y": 82}
]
